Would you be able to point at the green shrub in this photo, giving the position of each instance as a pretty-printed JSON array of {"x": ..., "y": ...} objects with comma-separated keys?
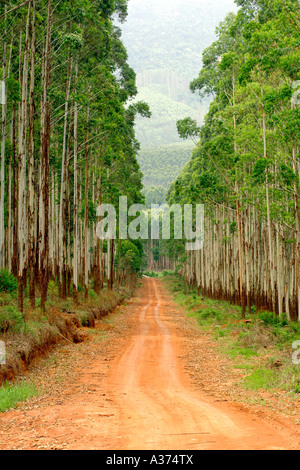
[
  {"x": 83, "y": 317},
  {"x": 209, "y": 313},
  {"x": 8, "y": 283},
  {"x": 92, "y": 294},
  {"x": 246, "y": 352},
  {"x": 261, "y": 378},
  {"x": 11, "y": 395},
  {"x": 283, "y": 334},
  {"x": 167, "y": 273},
  {"x": 130, "y": 256},
  {"x": 10, "y": 319},
  {"x": 150, "y": 274},
  {"x": 295, "y": 326},
  {"x": 52, "y": 288},
  {"x": 271, "y": 319}
]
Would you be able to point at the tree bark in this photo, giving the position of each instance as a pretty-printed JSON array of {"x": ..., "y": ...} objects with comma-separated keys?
[
  {"x": 45, "y": 144},
  {"x": 75, "y": 214},
  {"x": 3, "y": 138},
  {"x": 31, "y": 181},
  {"x": 22, "y": 167}
]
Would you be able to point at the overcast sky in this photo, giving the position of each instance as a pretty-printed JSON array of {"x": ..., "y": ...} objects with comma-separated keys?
[
  {"x": 197, "y": 19},
  {"x": 163, "y": 7}
]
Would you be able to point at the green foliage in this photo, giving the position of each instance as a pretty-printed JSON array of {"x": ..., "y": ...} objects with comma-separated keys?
[
  {"x": 8, "y": 283},
  {"x": 261, "y": 378},
  {"x": 13, "y": 89},
  {"x": 162, "y": 164},
  {"x": 92, "y": 294},
  {"x": 131, "y": 254},
  {"x": 154, "y": 195},
  {"x": 233, "y": 227},
  {"x": 150, "y": 274},
  {"x": 11, "y": 395},
  {"x": 270, "y": 318},
  {"x": 161, "y": 129},
  {"x": 250, "y": 135},
  {"x": 167, "y": 273},
  {"x": 287, "y": 175},
  {"x": 188, "y": 128},
  {"x": 11, "y": 319}
]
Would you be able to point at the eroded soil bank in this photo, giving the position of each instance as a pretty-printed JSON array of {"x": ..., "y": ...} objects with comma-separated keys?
[{"x": 146, "y": 378}]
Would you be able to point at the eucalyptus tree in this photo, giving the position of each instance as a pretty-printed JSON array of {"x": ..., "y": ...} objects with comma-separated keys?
[
  {"x": 67, "y": 139},
  {"x": 246, "y": 166}
]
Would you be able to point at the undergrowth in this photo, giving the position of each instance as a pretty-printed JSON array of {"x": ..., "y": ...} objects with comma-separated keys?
[
  {"x": 157, "y": 274},
  {"x": 30, "y": 334},
  {"x": 11, "y": 395},
  {"x": 261, "y": 343}
]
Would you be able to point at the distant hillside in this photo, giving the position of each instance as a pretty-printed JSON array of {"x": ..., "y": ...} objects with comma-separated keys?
[
  {"x": 172, "y": 34},
  {"x": 165, "y": 113},
  {"x": 165, "y": 40},
  {"x": 161, "y": 165}
]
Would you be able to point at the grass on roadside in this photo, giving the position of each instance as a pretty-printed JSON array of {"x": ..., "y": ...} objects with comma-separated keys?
[
  {"x": 30, "y": 334},
  {"x": 160, "y": 274},
  {"x": 11, "y": 395},
  {"x": 261, "y": 344}
]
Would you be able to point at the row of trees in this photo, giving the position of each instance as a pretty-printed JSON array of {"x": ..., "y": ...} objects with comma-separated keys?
[
  {"x": 162, "y": 164},
  {"x": 67, "y": 141},
  {"x": 246, "y": 167}
]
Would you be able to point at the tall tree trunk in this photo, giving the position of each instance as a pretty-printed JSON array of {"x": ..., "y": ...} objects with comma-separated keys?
[
  {"x": 45, "y": 144},
  {"x": 75, "y": 216},
  {"x": 62, "y": 221},
  {"x": 238, "y": 215},
  {"x": 31, "y": 180},
  {"x": 14, "y": 261},
  {"x": 3, "y": 138},
  {"x": 22, "y": 167},
  {"x": 270, "y": 236},
  {"x": 110, "y": 249},
  {"x": 86, "y": 212},
  {"x": 297, "y": 232}
]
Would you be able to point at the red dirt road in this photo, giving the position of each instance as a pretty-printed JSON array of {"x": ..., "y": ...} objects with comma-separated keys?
[{"x": 132, "y": 391}]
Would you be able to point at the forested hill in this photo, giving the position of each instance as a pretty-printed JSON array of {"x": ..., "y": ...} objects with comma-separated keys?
[
  {"x": 67, "y": 144},
  {"x": 162, "y": 164},
  {"x": 69, "y": 104},
  {"x": 246, "y": 167},
  {"x": 165, "y": 40},
  {"x": 171, "y": 35}
]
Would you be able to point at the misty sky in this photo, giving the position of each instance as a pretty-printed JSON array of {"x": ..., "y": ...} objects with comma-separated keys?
[
  {"x": 165, "y": 7},
  {"x": 176, "y": 18},
  {"x": 165, "y": 40}
]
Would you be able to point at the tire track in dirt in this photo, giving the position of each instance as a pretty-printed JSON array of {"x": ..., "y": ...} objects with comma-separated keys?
[
  {"x": 133, "y": 392},
  {"x": 153, "y": 394}
]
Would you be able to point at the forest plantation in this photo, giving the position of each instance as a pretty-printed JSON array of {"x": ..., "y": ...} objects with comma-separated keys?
[
  {"x": 69, "y": 110},
  {"x": 68, "y": 143}
]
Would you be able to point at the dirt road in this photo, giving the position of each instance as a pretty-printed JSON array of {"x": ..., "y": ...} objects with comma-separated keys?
[{"x": 133, "y": 391}]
